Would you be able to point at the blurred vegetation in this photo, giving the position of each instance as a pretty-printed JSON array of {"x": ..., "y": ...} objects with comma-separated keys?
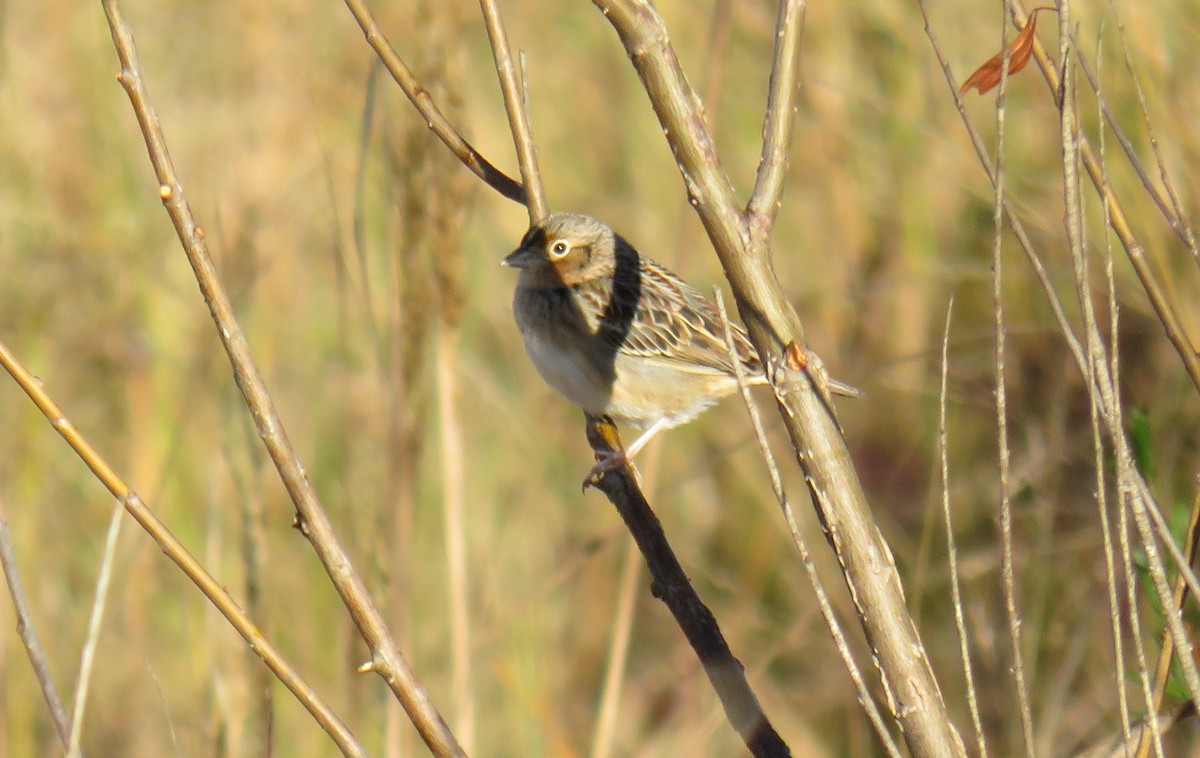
[{"x": 348, "y": 256}]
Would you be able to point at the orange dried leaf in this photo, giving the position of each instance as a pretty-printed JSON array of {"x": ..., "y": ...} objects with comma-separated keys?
[
  {"x": 988, "y": 75},
  {"x": 796, "y": 358}
]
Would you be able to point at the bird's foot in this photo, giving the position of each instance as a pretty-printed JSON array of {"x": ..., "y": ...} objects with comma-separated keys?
[{"x": 607, "y": 464}]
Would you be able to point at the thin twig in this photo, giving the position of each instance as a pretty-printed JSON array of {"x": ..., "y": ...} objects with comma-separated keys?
[
  {"x": 1159, "y": 724},
  {"x": 865, "y": 698},
  {"x": 434, "y": 118},
  {"x": 386, "y": 659},
  {"x": 87, "y": 660},
  {"x": 779, "y": 120},
  {"x": 1164, "y": 308},
  {"x": 1008, "y": 580},
  {"x": 1131, "y": 486},
  {"x": 1163, "y": 530},
  {"x": 1177, "y": 220},
  {"x": 1169, "y": 206},
  {"x": 960, "y": 623},
  {"x": 1162, "y": 669},
  {"x": 518, "y": 116},
  {"x": 1131, "y": 599},
  {"x": 27, "y": 632},
  {"x": 175, "y": 550},
  {"x": 1072, "y": 140},
  {"x": 1106, "y": 533}
]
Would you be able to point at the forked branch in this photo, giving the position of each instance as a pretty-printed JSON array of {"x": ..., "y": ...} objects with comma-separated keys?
[
  {"x": 518, "y": 117},
  {"x": 434, "y": 118},
  {"x": 779, "y": 121},
  {"x": 869, "y": 569}
]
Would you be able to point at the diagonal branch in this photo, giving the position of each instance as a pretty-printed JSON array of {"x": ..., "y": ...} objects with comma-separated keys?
[
  {"x": 175, "y": 550},
  {"x": 434, "y": 118},
  {"x": 865, "y": 698},
  {"x": 311, "y": 519},
  {"x": 779, "y": 120},
  {"x": 672, "y": 586}
]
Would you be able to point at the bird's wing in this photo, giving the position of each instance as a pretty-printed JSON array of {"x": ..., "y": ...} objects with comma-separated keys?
[{"x": 662, "y": 318}]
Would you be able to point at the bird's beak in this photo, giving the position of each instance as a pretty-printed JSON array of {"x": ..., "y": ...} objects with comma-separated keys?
[{"x": 522, "y": 257}]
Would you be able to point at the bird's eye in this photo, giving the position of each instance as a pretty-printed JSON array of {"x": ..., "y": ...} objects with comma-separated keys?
[{"x": 559, "y": 249}]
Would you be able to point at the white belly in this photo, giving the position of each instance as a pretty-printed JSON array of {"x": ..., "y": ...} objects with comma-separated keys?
[{"x": 569, "y": 374}]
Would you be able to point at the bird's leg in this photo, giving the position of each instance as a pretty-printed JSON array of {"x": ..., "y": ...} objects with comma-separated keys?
[{"x": 620, "y": 458}]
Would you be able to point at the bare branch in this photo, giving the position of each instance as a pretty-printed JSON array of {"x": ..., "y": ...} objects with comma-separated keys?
[
  {"x": 1102, "y": 389},
  {"x": 1146, "y": 514},
  {"x": 518, "y": 117},
  {"x": 779, "y": 119},
  {"x": 1170, "y": 207},
  {"x": 1101, "y": 474},
  {"x": 434, "y": 118},
  {"x": 174, "y": 549},
  {"x": 28, "y": 634},
  {"x": 672, "y": 586},
  {"x": 311, "y": 518},
  {"x": 1007, "y": 570},
  {"x": 960, "y": 624}
]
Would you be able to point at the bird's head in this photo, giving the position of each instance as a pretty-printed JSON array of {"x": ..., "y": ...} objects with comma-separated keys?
[{"x": 567, "y": 247}]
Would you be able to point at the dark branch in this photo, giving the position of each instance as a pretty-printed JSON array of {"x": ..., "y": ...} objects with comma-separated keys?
[{"x": 671, "y": 585}]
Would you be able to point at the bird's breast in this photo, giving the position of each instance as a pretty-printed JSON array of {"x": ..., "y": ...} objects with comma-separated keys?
[{"x": 561, "y": 347}]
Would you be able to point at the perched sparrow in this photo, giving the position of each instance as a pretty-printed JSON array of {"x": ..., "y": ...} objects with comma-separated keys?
[{"x": 619, "y": 335}]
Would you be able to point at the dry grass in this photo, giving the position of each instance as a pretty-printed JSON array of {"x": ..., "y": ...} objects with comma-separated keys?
[{"x": 886, "y": 216}]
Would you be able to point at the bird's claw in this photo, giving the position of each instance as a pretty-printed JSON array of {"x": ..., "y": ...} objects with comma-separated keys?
[{"x": 606, "y": 465}]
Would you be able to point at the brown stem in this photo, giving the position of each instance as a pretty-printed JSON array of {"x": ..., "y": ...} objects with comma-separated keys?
[
  {"x": 1163, "y": 306},
  {"x": 518, "y": 116}
]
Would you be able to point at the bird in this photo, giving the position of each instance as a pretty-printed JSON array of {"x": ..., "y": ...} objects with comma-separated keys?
[{"x": 620, "y": 335}]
